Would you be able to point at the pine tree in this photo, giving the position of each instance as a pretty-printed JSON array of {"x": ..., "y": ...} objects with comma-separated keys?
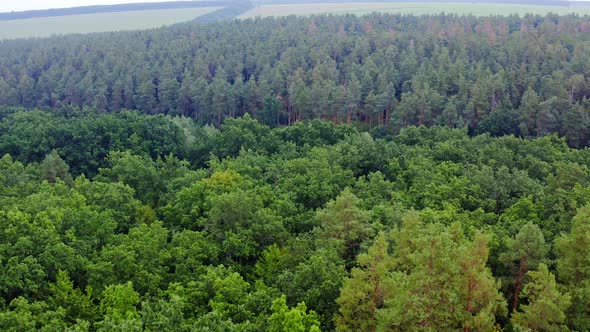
[
  {"x": 440, "y": 281},
  {"x": 352, "y": 98},
  {"x": 366, "y": 290},
  {"x": 146, "y": 97},
  {"x": 546, "y": 306},
  {"x": 426, "y": 295},
  {"x": 478, "y": 288},
  {"x": 526, "y": 250},
  {"x": 53, "y": 168},
  {"x": 345, "y": 221},
  {"x": 168, "y": 90}
]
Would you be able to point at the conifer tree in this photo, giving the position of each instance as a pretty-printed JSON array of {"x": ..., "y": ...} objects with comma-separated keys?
[
  {"x": 366, "y": 290},
  {"x": 546, "y": 306}
]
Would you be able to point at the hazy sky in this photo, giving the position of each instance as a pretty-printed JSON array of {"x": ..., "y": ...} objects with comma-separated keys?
[{"x": 19, "y": 5}]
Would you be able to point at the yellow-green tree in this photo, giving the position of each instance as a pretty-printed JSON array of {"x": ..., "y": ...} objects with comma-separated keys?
[
  {"x": 345, "y": 221},
  {"x": 546, "y": 306},
  {"x": 298, "y": 319},
  {"x": 436, "y": 279},
  {"x": 366, "y": 290}
]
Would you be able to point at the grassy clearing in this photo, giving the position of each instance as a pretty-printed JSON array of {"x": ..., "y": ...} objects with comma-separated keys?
[
  {"x": 133, "y": 20},
  {"x": 478, "y": 9}
]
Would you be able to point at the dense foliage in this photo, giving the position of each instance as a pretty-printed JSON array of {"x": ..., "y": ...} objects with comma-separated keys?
[
  {"x": 84, "y": 138},
  {"x": 300, "y": 228},
  {"x": 500, "y": 75},
  {"x": 387, "y": 173}
]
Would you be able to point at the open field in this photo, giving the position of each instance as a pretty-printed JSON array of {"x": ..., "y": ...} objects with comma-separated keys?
[
  {"x": 478, "y": 9},
  {"x": 86, "y": 23}
]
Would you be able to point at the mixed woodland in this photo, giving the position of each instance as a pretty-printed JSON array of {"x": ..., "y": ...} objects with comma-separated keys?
[{"x": 324, "y": 173}]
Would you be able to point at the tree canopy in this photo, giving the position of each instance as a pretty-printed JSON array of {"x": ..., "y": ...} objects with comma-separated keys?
[{"x": 336, "y": 173}]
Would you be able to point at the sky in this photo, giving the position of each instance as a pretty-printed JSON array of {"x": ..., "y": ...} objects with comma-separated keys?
[{"x": 20, "y": 5}]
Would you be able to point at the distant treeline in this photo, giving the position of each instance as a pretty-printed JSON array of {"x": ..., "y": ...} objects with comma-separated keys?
[
  {"x": 226, "y": 13},
  {"x": 519, "y": 2},
  {"x": 525, "y": 76},
  {"x": 118, "y": 8}
]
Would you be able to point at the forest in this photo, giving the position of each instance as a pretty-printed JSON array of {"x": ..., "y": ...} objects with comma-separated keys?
[
  {"x": 324, "y": 173},
  {"x": 500, "y": 75},
  {"x": 131, "y": 222}
]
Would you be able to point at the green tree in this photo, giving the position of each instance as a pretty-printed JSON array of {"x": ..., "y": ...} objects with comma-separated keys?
[
  {"x": 573, "y": 269},
  {"x": 146, "y": 98},
  {"x": 165, "y": 314},
  {"x": 53, "y": 168},
  {"x": 317, "y": 280},
  {"x": 7, "y": 95},
  {"x": 368, "y": 287},
  {"x": 34, "y": 316},
  {"x": 138, "y": 257},
  {"x": 434, "y": 285},
  {"x": 546, "y": 306},
  {"x": 478, "y": 288},
  {"x": 119, "y": 307},
  {"x": 168, "y": 91},
  {"x": 525, "y": 251},
  {"x": 285, "y": 319},
  {"x": 343, "y": 219},
  {"x": 138, "y": 172},
  {"x": 529, "y": 106},
  {"x": 78, "y": 305}
]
